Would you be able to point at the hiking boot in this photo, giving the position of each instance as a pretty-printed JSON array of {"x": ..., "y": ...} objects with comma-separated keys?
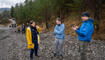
[
  {"x": 31, "y": 59},
  {"x": 55, "y": 54},
  {"x": 61, "y": 55},
  {"x": 37, "y": 55}
]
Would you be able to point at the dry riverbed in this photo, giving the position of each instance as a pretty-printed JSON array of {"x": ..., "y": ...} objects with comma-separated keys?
[{"x": 13, "y": 46}]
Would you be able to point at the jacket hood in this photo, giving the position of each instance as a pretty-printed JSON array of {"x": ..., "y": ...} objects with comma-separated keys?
[{"x": 91, "y": 20}]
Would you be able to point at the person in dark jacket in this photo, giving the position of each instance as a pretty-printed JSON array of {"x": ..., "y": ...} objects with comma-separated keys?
[
  {"x": 84, "y": 33},
  {"x": 23, "y": 28},
  {"x": 34, "y": 34}
]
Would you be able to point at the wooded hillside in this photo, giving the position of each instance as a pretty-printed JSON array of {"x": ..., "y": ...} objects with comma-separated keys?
[{"x": 45, "y": 12}]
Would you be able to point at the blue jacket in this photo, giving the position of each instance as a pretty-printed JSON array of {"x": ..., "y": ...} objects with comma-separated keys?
[
  {"x": 85, "y": 31},
  {"x": 59, "y": 31}
]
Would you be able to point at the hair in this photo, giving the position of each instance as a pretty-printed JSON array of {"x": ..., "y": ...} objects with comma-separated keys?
[
  {"x": 59, "y": 19},
  {"x": 31, "y": 22}
]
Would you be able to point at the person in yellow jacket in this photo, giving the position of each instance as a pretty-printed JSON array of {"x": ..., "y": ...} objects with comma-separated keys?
[{"x": 33, "y": 38}]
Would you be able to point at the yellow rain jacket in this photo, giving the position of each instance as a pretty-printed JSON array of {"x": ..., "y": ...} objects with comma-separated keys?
[{"x": 30, "y": 45}]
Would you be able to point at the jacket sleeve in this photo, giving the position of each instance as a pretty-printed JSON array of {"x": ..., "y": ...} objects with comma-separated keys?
[
  {"x": 61, "y": 31},
  {"x": 55, "y": 29},
  {"x": 84, "y": 30},
  {"x": 28, "y": 35},
  {"x": 38, "y": 39},
  {"x": 39, "y": 29},
  {"x": 29, "y": 38}
]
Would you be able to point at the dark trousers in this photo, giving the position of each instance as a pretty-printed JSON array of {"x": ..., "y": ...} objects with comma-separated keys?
[{"x": 35, "y": 50}]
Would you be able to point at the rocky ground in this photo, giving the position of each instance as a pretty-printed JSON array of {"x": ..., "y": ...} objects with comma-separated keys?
[{"x": 13, "y": 46}]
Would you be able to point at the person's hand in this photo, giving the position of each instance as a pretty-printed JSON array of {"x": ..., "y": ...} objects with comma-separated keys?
[
  {"x": 37, "y": 26},
  {"x": 75, "y": 28}
]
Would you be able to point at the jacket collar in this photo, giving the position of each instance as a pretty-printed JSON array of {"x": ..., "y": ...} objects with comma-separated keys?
[
  {"x": 59, "y": 24},
  {"x": 89, "y": 20}
]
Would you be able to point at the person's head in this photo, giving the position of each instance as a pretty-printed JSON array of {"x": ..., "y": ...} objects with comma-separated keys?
[
  {"x": 23, "y": 23},
  {"x": 85, "y": 16},
  {"x": 32, "y": 23},
  {"x": 58, "y": 21}
]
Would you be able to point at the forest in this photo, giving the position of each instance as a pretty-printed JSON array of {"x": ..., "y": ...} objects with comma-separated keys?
[
  {"x": 44, "y": 13},
  {"x": 4, "y": 16}
]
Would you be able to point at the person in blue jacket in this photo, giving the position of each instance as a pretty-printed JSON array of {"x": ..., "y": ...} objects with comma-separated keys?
[
  {"x": 59, "y": 32},
  {"x": 84, "y": 32}
]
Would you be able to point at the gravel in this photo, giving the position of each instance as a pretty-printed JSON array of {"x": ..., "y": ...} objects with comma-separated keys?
[{"x": 13, "y": 46}]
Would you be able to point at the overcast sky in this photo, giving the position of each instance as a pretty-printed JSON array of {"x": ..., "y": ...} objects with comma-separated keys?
[{"x": 9, "y": 3}]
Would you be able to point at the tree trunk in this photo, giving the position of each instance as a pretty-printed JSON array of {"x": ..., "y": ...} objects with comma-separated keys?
[
  {"x": 46, "y": 18},
  {"x": 97, "y": 13}
]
